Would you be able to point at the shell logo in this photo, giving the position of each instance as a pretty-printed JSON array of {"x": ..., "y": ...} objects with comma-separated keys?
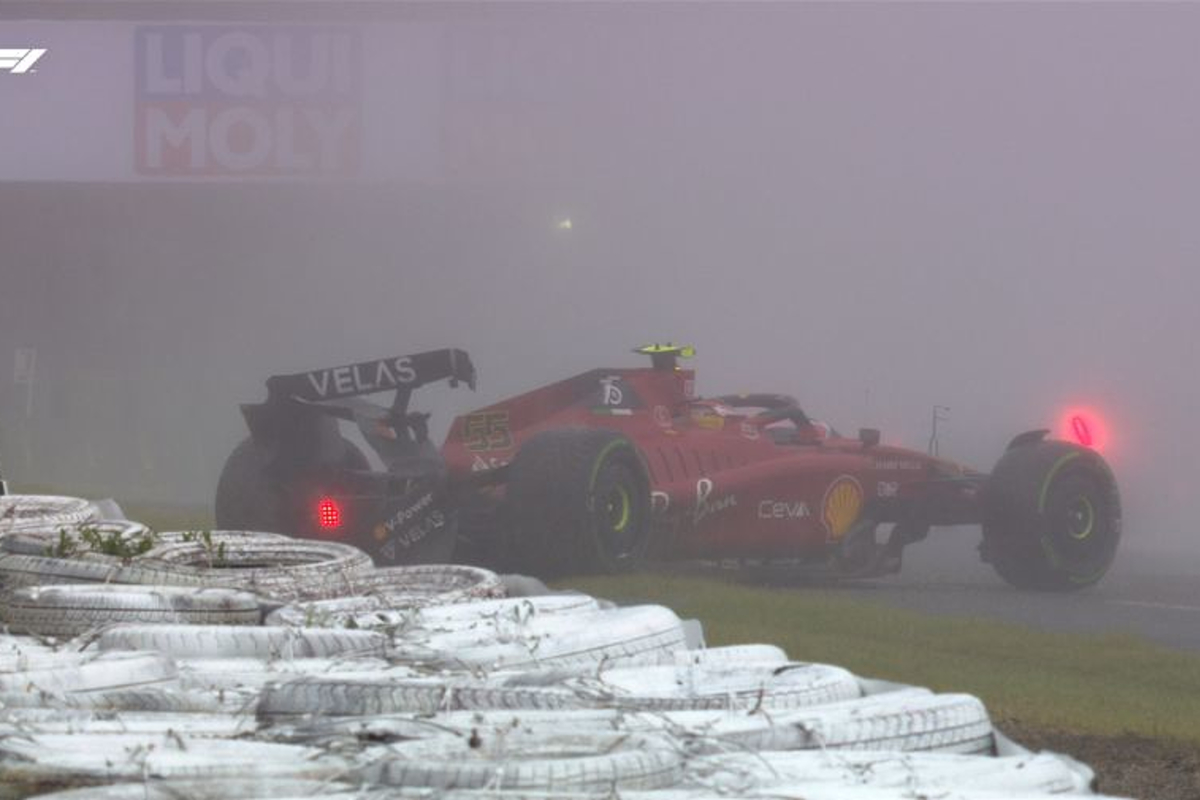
[{"x": 842, "y": 504}]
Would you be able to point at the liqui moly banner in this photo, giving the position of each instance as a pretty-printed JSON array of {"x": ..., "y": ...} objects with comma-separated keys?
[
  {"x": 213, "y": 100},
  {"x": 432, "y": 101}
]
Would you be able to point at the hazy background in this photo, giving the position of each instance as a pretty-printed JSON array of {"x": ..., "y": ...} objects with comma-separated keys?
[{"x": 877, "y": 208}]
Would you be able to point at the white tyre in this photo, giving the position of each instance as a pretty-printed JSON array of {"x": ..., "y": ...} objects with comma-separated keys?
[
  {"x": 541, "y": 723},
  {"x": 352, "y": 696},
  {"x": 36, "y": 761},
  {"x": 70, "y": 610},
  {"x": 41, "y": 658},
  {"x": 734, "y": 654},
  {"x": 216, "y": 538},
  {"x": 621, "y": 636},
  {"x": 601, "y": 763},
  {"x": 231, "y": 641},
  {"x": 36, "y": 511},
  {"x": 17, "y": 571},
  {"x": 240, "y": 674},
  {"x": 285, "y": 569},
  {"x": 92, "y": 723},
  {"x": 104, "y": 672},
  {"x": 907, "y": 720},
  {"x": 925, "y": 774},
  {"x": 166, "y": 699},
  {"x": 903, "y": 721},
  {"x": 373, "y": 612},
  {"x": 367, "y": 694},
  {"x": 722, "y": 685},
  {"x": 67, "y": 540},
  {"x": 212, "y": 789},
  {"x": 417, "y": 585}
]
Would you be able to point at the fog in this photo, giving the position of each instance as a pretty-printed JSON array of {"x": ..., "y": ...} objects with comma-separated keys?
[{"x": 876, "y": 208}]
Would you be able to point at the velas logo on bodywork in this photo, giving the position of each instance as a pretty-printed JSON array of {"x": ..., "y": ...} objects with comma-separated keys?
[
  {"x": 252, "y": 100},
  {"x": 20, "y": 60},
  {"x": 841, "y": 506}
]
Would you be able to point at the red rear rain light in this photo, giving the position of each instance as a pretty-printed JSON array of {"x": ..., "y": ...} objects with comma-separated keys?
[{"x": 329, "y": 514}]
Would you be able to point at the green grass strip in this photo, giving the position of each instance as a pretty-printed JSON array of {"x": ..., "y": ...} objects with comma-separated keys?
[{"x": 1089, "y": 684}]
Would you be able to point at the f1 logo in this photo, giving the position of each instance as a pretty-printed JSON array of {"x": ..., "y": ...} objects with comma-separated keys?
[{"x": 21, "y": 60}]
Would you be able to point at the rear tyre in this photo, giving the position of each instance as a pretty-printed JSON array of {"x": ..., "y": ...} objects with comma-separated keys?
[
  {"x": 1051, "y": 517},
  {"x": 578, "y": 502},
  {"x": 249, "y": 499}
]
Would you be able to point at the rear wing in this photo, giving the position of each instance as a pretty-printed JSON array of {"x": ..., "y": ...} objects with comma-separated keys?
[
  {"x": 401, "y": 374},
  {"x": 298, "y": 416}
]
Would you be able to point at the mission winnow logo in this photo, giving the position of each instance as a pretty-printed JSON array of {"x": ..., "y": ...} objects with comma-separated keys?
[{"x": 20, "y": 60}]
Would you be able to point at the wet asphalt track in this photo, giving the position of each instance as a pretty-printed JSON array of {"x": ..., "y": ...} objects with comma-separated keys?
[{"x": 1154, "y": 593}]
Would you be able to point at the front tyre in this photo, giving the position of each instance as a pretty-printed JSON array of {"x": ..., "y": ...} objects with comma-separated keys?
[
  {"x": 1051, "y": 517},
  {"x": 578, "y": 502}
]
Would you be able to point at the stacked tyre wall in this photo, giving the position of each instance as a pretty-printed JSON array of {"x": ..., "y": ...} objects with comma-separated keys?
[{"x": 243, "y": 665}]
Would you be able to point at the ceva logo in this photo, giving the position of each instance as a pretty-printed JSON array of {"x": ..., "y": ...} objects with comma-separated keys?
[{"x": 18, "y": 61}]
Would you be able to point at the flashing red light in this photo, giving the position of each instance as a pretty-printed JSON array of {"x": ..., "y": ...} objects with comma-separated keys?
[
  {"x": 329, "y": 513},
  {"x": 1083, "y": 433},
  {"x": 1084, "y": 427}
]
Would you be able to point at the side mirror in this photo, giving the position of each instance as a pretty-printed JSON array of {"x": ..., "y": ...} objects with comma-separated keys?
[{"x": 868, "y": 436}]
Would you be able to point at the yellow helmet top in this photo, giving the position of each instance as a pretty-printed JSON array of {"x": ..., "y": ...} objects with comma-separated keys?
[{"x": 664, "y": 356}]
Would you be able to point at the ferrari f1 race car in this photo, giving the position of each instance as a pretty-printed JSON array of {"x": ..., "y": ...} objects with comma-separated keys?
[{"x": 604, "y": 470}]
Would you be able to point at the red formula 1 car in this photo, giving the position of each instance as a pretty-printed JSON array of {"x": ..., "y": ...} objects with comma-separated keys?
[{"x": 599, "y": 472}]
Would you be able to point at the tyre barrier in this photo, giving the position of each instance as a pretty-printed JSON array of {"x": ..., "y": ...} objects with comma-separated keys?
[{"x": 424, "y": 682}]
